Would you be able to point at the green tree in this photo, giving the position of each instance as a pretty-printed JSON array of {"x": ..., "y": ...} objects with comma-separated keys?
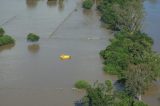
[
  {"x": 87, "y": 4},
  {"x": 122, "y": 14},
  {"x": 99, "y": 95},
  {"x": 103, "y": 94},
  {"x": 138, "y": 79},
  {"x": 32, "y": 37},
  {"x": 2, "y": 32},
  {"x": 129, "y": 15}
]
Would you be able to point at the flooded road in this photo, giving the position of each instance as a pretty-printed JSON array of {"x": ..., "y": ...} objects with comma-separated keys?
[
  {"x": 152, "y": 27},
  {"x": 33, "y": 74}
]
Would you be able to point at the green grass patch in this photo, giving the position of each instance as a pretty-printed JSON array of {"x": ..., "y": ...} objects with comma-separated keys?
[{"x": 82, "y": 84}]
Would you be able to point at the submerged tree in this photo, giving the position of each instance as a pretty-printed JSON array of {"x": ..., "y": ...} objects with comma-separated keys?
[
  {"x": 129, "y": 15},
  {"x": 122, "y": 14},
  {"x": 2, "y": 31},
  {"x": 138, "y": 79},
  {"x": 103, "y": 94}
]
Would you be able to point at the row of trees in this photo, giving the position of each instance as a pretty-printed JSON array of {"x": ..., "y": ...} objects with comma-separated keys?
[
  {"x": 129, "y": 56},
  {"x": 122, "y": 14}
]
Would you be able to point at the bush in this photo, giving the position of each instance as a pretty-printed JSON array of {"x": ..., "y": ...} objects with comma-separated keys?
[
  {"x": 112, "y": 69},
  {"x": 126, "y": 49},
  {"x": 139, "y": 103},
  {"x": 32, "y": 37},
  {"x": 87, "y": 4},
  {"x": 2, "y": 32},
  {"x": 5, "y": 40},
  {"x": 82, "y": 84}
]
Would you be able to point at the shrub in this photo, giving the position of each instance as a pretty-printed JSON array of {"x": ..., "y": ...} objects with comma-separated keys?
[
  {"x": 2, "y": 32},
  {"x": 139, "y": 103},
  {"x": 112, "y": 69},
  {"x": 32, "y": 37},
  {"x": 126, "y": 49},
  {"x": 82, "y": 84},
  {"x": 5, "y": 40},
  {"x": 87, "y": 4}
]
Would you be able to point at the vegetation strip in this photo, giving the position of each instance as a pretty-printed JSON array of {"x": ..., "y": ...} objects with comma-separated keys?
[{"x": 129, "y": 56}]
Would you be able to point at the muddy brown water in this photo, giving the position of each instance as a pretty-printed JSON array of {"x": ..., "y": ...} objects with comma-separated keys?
[
  {"x": 32, "y": 74},
  {"x": 152, "y": 27}
]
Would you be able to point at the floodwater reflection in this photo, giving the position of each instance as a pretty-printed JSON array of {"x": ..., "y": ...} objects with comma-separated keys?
[
  {"x": 31, "y": 3},
  {"x": 52, "y": 3},
  {"x": 6, "y": 47},
  {"x": 88, "y": 12},
  {"x": 33, "y": 48},
  {"x": 61, "y": 5},
  {"x": 153, "y": 1}
]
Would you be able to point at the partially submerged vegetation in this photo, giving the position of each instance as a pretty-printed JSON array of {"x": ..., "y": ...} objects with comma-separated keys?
[
  {"x": 5, "y": 39},
  {"x": 2, "y": 31},
  {"x": 32, "y": 37},
  {"x": 87, "y": 4},
  {"x": 122, "y": 14},
  {"x": 82, "y": 84},
  {"x": 126, "y": 49},
  {"x": 103, "y": 94},
  {"x": 129, "y": 56}
]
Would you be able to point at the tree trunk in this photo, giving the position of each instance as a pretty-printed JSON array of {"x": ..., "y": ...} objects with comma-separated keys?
[{"x": 139, "y": 97}]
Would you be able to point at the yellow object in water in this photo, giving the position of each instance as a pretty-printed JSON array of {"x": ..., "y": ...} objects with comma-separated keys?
[{"x": 65, "y": 57}]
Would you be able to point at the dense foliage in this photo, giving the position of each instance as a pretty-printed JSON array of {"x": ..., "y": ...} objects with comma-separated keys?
[
  {"x": 5, "y": 39},
  {"x": 130, "y": 54},
  {"x": 32, "y": 37},
  {"x": 87, "y": 4},
  {"x": 139, "y": 77},
  {"x": 122, "y": 14},
  {"x": 2, "y": 31},
  {"x": 103, "y": 95},
  {"x": 127, "y": 49},
  {"x": 82, "y": 84}
]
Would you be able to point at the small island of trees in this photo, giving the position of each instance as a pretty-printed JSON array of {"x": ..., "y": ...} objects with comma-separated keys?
[
  {"x": 32, "y": 37},
  {"x": 5, "y": 39}
]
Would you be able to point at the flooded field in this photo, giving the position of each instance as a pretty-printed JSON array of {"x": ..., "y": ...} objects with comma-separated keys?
[{"x": 32, "y": 74}]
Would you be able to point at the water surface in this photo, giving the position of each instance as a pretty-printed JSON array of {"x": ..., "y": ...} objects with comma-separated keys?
[
  {"x": 152, "y": 28},
  {"x": 32, "y": 74}
]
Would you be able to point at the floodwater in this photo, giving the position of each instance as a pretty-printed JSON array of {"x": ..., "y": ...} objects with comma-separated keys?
[
  {"x": 152, "y": 28},
  {"x": 32, "y": 74}
]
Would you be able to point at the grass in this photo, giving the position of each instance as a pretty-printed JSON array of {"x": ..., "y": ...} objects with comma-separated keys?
[{"x": 82, "y": 84}]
